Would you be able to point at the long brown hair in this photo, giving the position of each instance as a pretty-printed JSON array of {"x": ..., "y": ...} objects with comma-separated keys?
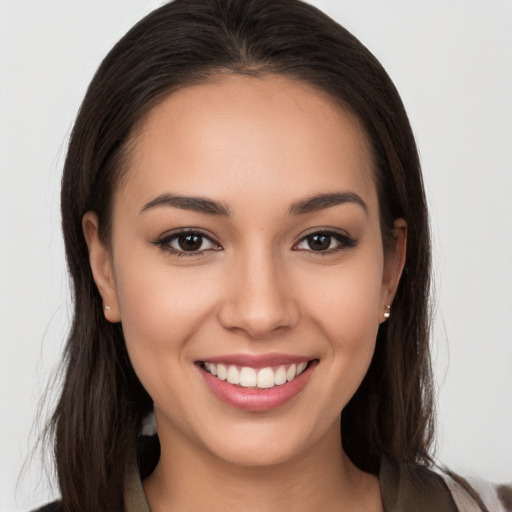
[{"x": 102, "y": 405}]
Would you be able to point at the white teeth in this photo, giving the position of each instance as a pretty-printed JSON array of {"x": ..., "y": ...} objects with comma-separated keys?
[
  {"x": 247, "y": 377},
  {"x": 280, "y": 376},
  {"x": 291, "y": 372},
  {"x": 265, "y": 378},
  {"x": 222, "y": 371},
  {"x": 233, "y": 376}
]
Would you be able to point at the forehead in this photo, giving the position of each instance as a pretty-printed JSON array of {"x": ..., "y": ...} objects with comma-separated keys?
[{"x": 252, "y": 134}]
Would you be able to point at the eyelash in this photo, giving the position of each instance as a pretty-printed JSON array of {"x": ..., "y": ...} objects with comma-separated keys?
[
  {"x": 165, "y": 243},
  {"x": 344, "y": 241}
]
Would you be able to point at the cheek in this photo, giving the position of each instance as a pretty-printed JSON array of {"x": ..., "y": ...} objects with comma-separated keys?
[
  {"x": 161, "y": 311},
  {"x": 161, "y": 306},
  {"x": 345, "y": 302},
  {"x": 344, "y": 307}
]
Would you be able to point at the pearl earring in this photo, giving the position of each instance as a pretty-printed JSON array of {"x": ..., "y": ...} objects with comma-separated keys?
[{"x": 387, "y": 311}]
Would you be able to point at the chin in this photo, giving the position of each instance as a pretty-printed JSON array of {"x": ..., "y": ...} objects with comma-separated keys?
[
  {"x": 263, "y": 445},
  {"x": 256, "y": 455}
]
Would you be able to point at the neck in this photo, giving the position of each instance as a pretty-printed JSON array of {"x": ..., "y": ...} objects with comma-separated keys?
[{"x": 187, "y": 478}]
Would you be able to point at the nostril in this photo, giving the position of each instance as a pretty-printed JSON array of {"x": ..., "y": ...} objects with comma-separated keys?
[{"x": 258, "y": 319}]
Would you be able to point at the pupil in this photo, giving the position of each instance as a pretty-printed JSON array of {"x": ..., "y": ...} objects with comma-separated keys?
[
  {"x": 319, "y": 242},
  {"x": 190, "y": 242}
]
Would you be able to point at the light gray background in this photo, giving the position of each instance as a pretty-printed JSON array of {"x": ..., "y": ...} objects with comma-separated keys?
[{"x": 452, "y": 62}]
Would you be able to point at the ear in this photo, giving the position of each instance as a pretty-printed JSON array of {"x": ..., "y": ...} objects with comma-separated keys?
[
  {"x": 101, "y": 265},
  {"x": 394, "y": 261}
]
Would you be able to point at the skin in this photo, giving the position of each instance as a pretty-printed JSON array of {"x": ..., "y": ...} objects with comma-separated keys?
[{"x": 258, "y": 146}]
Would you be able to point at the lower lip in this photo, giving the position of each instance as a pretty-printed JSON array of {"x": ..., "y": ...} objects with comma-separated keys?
[{"x": 256, "y": 399}]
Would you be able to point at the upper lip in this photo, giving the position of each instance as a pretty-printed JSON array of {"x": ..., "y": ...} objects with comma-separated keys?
[{"x": 257, "y": 360}]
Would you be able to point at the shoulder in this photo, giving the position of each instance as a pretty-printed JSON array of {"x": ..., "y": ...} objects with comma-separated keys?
[
  {"x": 474, "y": 494},
  {"x": 416, "y": 488},
  {"x": 51, "y": 507},
  {"x": 413, "y": 488}
]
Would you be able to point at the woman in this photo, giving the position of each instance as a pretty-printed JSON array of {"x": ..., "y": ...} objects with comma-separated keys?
[{"x": 246, "y": 230}]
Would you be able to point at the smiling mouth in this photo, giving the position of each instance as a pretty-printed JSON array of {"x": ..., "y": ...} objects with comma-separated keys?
[{"x": 262, "y": 378}]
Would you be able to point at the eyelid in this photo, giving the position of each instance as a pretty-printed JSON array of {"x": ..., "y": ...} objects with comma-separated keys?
[
  {"x": 345, "y": 240},
  {"x": 163, "y": 241}
]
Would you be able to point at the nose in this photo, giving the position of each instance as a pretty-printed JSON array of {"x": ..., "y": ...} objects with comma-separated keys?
[{"x": 259, "y": 300}]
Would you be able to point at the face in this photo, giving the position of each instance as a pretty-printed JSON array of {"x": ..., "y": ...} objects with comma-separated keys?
[{"x": 246, "y": 266}]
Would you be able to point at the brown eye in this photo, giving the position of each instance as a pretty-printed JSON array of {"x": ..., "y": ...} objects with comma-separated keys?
[
  {"x": 187, "y": 243},
  {"x": 325, "y": 242},
  {"x": 190, "y": 242},
  {"x": 319, "y": 242}
]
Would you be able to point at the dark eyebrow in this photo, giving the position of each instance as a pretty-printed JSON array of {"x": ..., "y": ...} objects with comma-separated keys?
[
  {"x": 322, "y": 201},
  {"x": 196, "y": 204}
]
